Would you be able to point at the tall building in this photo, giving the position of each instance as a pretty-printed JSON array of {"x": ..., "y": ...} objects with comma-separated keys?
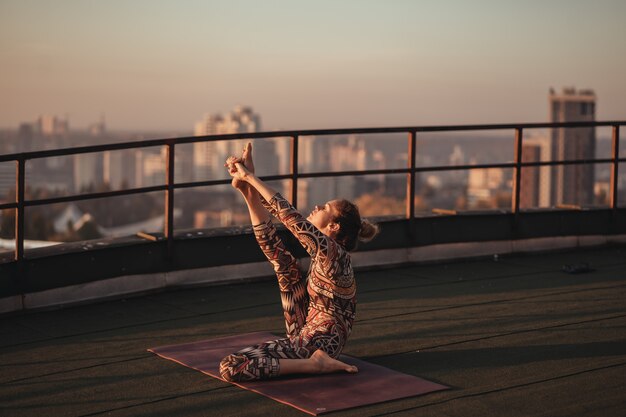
[
  {"x": 484, "y": 186},
  {"x": 350, "y": 153},
  {"x": 119, "y": 168},
  {"x": 25, "y": 137},
  {"x": 154, "y": 169},
  {"x": 209, "y": 157},
  {"x": 530, "y": 189},
  {"x": 7, "y": 181},
  {"x": 149, "y": 167},
  {"x": 204, "y": 153},
  {"x": 88, "y": 171},
  {"x": 550, "y": 186},
  {"x": 572, "y": 184},
  {"x": 242, "y": 120},
  {"x": 50, "y": 125}
]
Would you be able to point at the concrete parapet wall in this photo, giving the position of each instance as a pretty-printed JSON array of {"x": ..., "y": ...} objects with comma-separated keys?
[{"x": 383, "y": 258}]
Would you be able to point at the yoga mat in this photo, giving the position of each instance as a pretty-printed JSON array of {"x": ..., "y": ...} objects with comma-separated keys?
[{"x": 313, "y": 394}]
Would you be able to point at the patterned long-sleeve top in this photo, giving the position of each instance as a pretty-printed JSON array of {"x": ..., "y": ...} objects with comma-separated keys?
[{"x": 331, "y": 285}]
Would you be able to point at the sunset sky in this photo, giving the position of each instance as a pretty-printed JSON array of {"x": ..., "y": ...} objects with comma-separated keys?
[{"x": 161, "y": 65}]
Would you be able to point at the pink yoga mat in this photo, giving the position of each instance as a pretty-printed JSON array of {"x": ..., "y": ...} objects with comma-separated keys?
[{"x": 314, "y": 394}]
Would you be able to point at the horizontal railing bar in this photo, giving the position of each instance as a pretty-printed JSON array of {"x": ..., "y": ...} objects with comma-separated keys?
[
  {"x": 464, "y": 167},
  {"x": 202, "y": 183},
  {"x": 279, "y": 134},
  {"x": 91, "y": 196},
  {"x": 130, "y": 191},
  {"x": 228, "y": 181},
  {"x": 86, "y": 149},
  {"x": 5, "y": 206},
  {"x": 523, "y": 164},
  {"x": 194, "y": 184},
  {"x": 327, "y": 174},
  {"x": 572, "y": 162},
  {"x": 455, "y": 167}
]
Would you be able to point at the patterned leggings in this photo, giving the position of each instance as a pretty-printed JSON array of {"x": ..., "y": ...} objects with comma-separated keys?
[{"x": 262, "y": 361}]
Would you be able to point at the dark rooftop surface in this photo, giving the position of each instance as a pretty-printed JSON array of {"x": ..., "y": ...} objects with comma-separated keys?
[{"x": 513, "y": 337}]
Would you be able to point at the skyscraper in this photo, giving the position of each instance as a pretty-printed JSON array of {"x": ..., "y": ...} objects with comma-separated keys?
[
  {"x": 550, "y": 186},
  {"x": 204, "y": 154},
  {"x": 530, "y": 190},
  {"x": 50, "y": 125},
  {"x": 572, "y": 184},
  {"x": 118, "y": 168},
  {"x": 209, "y": 157},
  {"x": 25, "y": 136},
  {"x": 88, "y": 171}
]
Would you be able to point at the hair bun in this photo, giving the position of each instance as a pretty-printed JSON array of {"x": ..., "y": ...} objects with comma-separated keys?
[{"x": 368, "y": 231}]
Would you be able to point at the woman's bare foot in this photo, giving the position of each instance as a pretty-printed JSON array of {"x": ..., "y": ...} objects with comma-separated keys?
[
  {"x": 324, "y": 364},
  {"x": 246, "y": 156}
]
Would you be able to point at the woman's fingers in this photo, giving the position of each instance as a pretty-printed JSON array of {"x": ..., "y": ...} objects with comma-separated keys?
[
  {"x": 232, "y": 159},
  {"x": 231, "y": 164},
  {"x": 236, "y": 168}
]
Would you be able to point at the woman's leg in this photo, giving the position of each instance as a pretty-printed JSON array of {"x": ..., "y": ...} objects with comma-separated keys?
[
  {"x": 292, "y": 287},
  {"x": 293, "y": 293},
  {"x": 261, "y": 361},
  {"x": 277, "y": 358}
]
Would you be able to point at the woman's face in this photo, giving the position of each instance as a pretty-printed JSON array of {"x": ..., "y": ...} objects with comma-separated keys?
[{"x": 323, "y": 216}]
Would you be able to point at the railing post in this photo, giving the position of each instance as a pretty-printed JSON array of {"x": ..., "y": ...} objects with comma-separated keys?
[
  {"x": 20, "y": 174},
  {"x": 410, "y": 191},
  {"x": 169, "y": 198},
  {"x": 614, "y": 171},
  {"x": 517, "y": 172},
  {"x": 294, "y": 171}
]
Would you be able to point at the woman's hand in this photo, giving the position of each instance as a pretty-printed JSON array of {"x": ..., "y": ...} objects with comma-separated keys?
[{"x": 236, "y": 169}]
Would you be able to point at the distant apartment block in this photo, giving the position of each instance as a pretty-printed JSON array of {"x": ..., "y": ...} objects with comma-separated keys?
[
  {"x": 52, "y": 125},
  {"x": 351, "y": 153},
  {"x": 483, "y": 187},
  {"x": 205, "y": 156},
  {"x": 88, "y": 170},
  {"x": 573, "y": 184},
  {"x": 7, "y": 181},
  {"x": 530, "y": 178},
  {"x": 563, "y": 184},
  {"x": 536, "y": 182},
  {"x": 25, "y": 137},
  {"x": 209, "y": 157},
  {"x": 147, "y": 167},
  {"x": 119, "y": 168}
]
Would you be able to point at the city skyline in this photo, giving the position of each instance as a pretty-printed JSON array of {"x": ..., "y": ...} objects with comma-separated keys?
[
  {"x": 377, "y": 195},
  {"x": 162, "y": 65}
]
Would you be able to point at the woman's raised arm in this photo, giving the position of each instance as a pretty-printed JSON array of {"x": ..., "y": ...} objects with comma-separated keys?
[{"x": 311, "y": 238}]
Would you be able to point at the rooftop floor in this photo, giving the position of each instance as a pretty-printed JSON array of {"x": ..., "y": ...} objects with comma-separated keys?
[{"x": 514, "y": 336}]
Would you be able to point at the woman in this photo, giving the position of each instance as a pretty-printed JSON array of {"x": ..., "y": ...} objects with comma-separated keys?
[{"x": 318, "y": 313}]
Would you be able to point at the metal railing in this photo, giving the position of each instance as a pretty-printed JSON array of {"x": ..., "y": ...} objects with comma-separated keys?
[{"x": 411, "y": 170}]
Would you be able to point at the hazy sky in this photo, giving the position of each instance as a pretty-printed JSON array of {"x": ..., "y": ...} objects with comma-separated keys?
[{"x": 149, "y": 64}]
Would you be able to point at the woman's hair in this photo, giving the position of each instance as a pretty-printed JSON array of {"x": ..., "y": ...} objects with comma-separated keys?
[{"x": 351, "y": 227}]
